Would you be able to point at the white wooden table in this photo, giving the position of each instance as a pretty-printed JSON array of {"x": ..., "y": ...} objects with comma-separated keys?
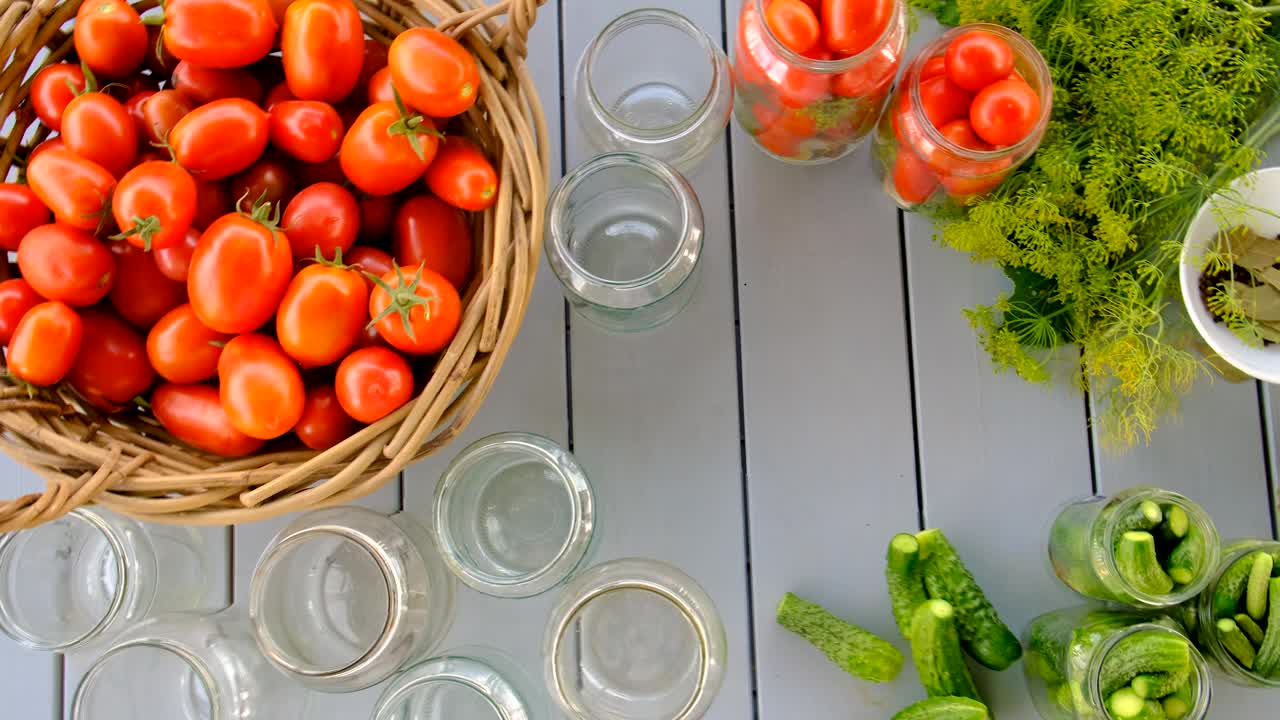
[{"x": 821, "y": 392}]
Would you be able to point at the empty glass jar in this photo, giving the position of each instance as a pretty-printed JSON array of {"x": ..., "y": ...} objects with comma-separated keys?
[
  {"x": 343, "y": 598},
  {"x": 624, "y": 237},
  {"x": 1225, "y": 599},
  {"x": 653, "y": 83},
  {"x": 515, "y": 515},
  {"x": 463, "y": 684},
  {"x": 634, "y": 639},
  {"x": 82, "y": 579}
]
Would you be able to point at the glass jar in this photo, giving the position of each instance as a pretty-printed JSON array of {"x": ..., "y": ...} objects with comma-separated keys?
[
  {"x": 624, "y": 236},
  {"x": 1086, "y": 534},
  {"x": 186, "y": 666},
  {"x": 1072, "y": 653},
  {"x": 1210, "y": 608},
  {"x": 345, "y": 597},
  {"x": 634, "y": 639},
  {"x": 672, "y": 105},
  {"x": 515, "y": 515},
  {"x": 918, "y": 165},
  {"x": 463, "y": 684},
  {"x": 80, "y": 580},
  {"x": 811, "y": 110}
]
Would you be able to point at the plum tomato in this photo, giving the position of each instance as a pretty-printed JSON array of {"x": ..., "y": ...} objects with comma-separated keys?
[
  {"x": 380, "y": 88},
  {"x": 97, "y": 127},
  {"x": 324, "y": 423},
  {"x": 933, "y": 67},
  {"x": 323, "y": 217},
  {"x": 308, "y": 130},
  {"x": 194, "y": 415},
  {"x": 53, "y": 88},
  {"x": 182, "y": 349},
  {"x": 134, "y": 106},
  {"x": 429, "y": 231},
  {"x": 75, "y": 189},
  {"x": 173, "y": 262},
  {"x": 203, "y": 85},
  {"x": 322, "y": 313},
  {"x": 370, "y": 261},
  {"x": 322, "y": 43},
  {"x": 260, "y": 387},
  {"x": 912, "y": 178},
  {"x": 851, "y": 26},
  {"x": 373, "y": 382},
  {"x": 943, "y": 100},
  {"x": 235, "y": 253},
  {"x": 462, "y": 176},
  {"x": 22, "y": 212},
  {"x": 111, "y": 368},
  {"x": 277, "y": 94},
  {"x": 794, "y": 24},
  {"x": 154, "y": 204},
  {"x": 110, "y": 38},
  {"x": 45, "y": 343},
  {"x": 385, "y": 151},
  {"x": 433, "y": 72},
  {"x": 141, "y": 293},
  {"x": 1005, "y": 112},
  {"x": 977, "y": 58},
  {"x": 220, "y": 139},
  {"x": 418, "y": 314},
  {"x": 16, "y": 298},
  {"x": 162, "y": 111},
  {"x": 267, "y": 181},
  {"x": 219, "y": 33},
  {"x": 67, "y": 264}
]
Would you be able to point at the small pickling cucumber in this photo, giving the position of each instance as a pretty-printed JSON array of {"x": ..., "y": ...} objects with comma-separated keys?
[
  {"x": 986, "y": 638},
  {"x": 1143, "y": 516},
  {"x": 1178, "y": 705},
  {"x": 935, "y": 646},
  {"x": 1061, "y": 695},
  {"x": 1154, "y": 686},
  {"x": 945, "y": 708},
  {"x": 1236, "y": 643},
  {"x": 1176, "y": 523},
  {"x": 1251, "y": 629},
  {"x": 1186, "y": 560},
  {"x": 1125, "y": 704},
  {"x": 1137, "y": 563},
  {"x": 905, "y": 580},
  {"x": 855, "y": 650},
  {"x": 1268, "y": 662},
  {"x": 1226, "y": 597},
  {"x": 1148, "y": 651},
  {"x": 1255, "y": 593}
]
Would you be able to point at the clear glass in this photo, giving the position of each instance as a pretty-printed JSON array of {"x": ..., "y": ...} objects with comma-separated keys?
[
  {"x": 187, "y": 666},
  {"x": 918, "y": 166},
  {"x": 672, "y": 105},
  {"x": 811, "y": 110},
  {"x": 624, "y": 236},
  {"x": 515, "y": 515},
  {"x": 1084, "y": 535},
  {"x": 1066, "y": 650},
  {"x": 1206, "y": 632},
  {"x": 343, "y": 598},
  {"x": 634, "y": 639},
  {"x": 82, "y": 579},
  {"x": 469, "y": 683}
]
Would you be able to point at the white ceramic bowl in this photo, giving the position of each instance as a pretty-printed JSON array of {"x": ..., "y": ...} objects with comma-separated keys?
[{"x": 1259, "y": 189}]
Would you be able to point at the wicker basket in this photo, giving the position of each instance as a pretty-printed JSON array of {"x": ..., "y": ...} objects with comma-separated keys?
[{"x": 128, "y": 463}]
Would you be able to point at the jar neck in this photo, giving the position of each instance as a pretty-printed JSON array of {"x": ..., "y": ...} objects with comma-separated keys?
[
  {"x": 482, "y": 672},
  {"x": 893, "y": 32},
  {"x": 190, "y": 684},
  {"x": 1199, "y": 678},
  {"x": 1108, "y": 528}
]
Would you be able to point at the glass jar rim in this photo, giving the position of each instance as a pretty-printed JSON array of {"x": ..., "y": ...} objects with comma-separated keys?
[
  {"x": 791, "y": 57},
  {"x": 184, "y": 654},
  {"x": 458, "y": 669},
  {"x": 1200, "y": 668},
  {"x": 1205, "y": 606},
  {"x": 1198, "y": 517}
]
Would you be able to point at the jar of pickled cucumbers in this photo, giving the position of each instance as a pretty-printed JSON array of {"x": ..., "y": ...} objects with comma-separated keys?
[
  {"x": 1085, "y": 662},
  {"x": 1238, "y": 614},
  {"x": 1144, "y": 546},
  {"x": 969, "y": 109},
  {"x": 810, "y": 84}
]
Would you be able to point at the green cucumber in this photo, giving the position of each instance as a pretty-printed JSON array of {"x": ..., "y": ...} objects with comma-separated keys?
[
  {"x": 1061, "y": 695},
  {"x": 1176, "y": 523},
  {"x": 1047, "y": 642},
  {"x": 935, "y": 645},
  {"x": 1250, "y": 629},
  {"x": 1152, "y": 710},
  {"x": 1236, "y": 643},
  {"x": 1226, "y": 596},
  {"x": 945, "y": 708},
  {"x": 858, "y": 652},
  {"x": 986, "y": 638},
  {"x": 1178, "y": 705},
  {"x": 1268, "y": 662},
  {"x": 1185, "y": 614},
  {"x": 1125, "y": 704},
  {"x": 1146, "y": 651},
  {"x": 1255, "y": 594},
  {"x": 1143, "y": 516},
  {"x": 1154, "y": 686},
  {"x": 1186, "y": 560},
  {"x": 906, "y": 582},
  {"x": 1137, "y": 563}
]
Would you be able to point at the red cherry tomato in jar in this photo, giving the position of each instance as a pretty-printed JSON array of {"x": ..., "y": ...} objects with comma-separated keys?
[
  {"x": 174, "y": 261},
  {"x": 851, "y": 26},
  {"x": 933, "y": 67},
  {"x": 219, "y": 33},
  {"x": 16, "y": 298},
  {"x": 433, "y": 72},
  {"x": 416, "y": 310},
  {"x": 912, "y": 178},
  {"x": 377, "y": 155},
  {"x": 141, "y": 293},
  {"x": 111, "y": 368},
  {"x": 260, "y": 387},
  {"x": 323, "y": 217},
  {"x": 943, "y": 160},
  {"x": 213, "y": 200},
  {"x": 277, "y": 94},
  {"x": 428, "y": 231},
  {"x": 943, "y": 100},
  {"x": 308, "y": 130},
  {"x": 324, "y": 423},
  {"x": 182, "y": 349},
  {"x": 370, "y": 261},
  {"x": 203, "y": 85},
  {"x": 963, "y": 188},
  {"x": 75, "y": 189},
  {"x": 96, "y": 127},
  {"x": 759, "y": 65},
  {"x": 372, "y": 383},
  {"x": 1005, "y": 112},
  {"x": 67, "y": 264},
  {"x": 237, "y": 253},
  {"x": 976, "y": 59},
  {"x": 220, "y": 139},
  {"x": 52, "y": 89},
  {"x": 462, "y": 176},
  {"x": 377, "y": 215},
  {"x": 154, "y": 204},
  {"x": 110, "y": 38},
  {"x": 45, "y": 343},
  {"x": 322, "y": 43},
  {"x": 266, "y": 181},
  {"x": 22, "y": 212},
  {"x": 162, "y": 111},
  {"x": 322, "y": 314},
  {"x": 870, "y": 78},
  {"x": 380, "y": 88},
  {"x": 194, "y": 415},
  {"x": 794, "y": 24}
]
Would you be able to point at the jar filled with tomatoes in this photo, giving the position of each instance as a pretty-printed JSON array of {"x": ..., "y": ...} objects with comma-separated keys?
[
  {"x": 813, "y": 75},
  {"x": 970, "y": 108}
]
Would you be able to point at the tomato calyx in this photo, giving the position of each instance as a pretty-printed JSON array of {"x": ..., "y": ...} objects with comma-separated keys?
[
  {"x": 261, "y": 213},
  {"x": 404, "y": 298},
  {"x": 336, "y": 262},
  {"x": 144, "y": 227},
  {"x": 90, "y": 82},
  {"x": 410, "y": 126}
]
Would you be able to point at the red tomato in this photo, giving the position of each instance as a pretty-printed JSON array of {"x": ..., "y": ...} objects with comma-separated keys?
[
  {"x": 126, "y": 89},
  {"x": 194, "y": 415},
  {"x": 203, "y": 85},
  {"x": 49, "y": 144},
  {"x": 429, "y": 231},
  {"x": 96, "y": 127},
  {"x": 221, "y": 138},
  {"x": 323, "y": 48},
  {"x": 378, "y": 154},
  {"x": 182, "y": 349},
  {"x": 174, "y": 261},
  {"x": 778, "y": 141},
  {"x": 961, "y": 133},
  {"x": 134, "y": 107},
  {"x": 22, "y": 212},
  {"x": 851, "y": 26},
  {"x": 794, "y": 24},
  {"x": 372, "y": 383},
  {"x": 237, "y": 253},
  {"x": 306, "y": 129},
  {"x": 52, "y": 89},
  {"x": 277, "y": 94},
  {"x": 219, "y": 33},
  {"x": 45, "y": 343},
  {"x": 962, "y": 188},
  {"x": 141, "y": 293},
  {"x": 322, "y": 314},
  {"x": 462, "y": 176},
  {"x": 159, "y": 60},
  {"x": 759, "y": 65},
  {"x": 279, "y": 8},
  {"x": 324, "y": 423},
  {"x": 16, "y": 298},
  {"x": 375, "y": 58},
  {"x": 260, "y": 387},
  {"x": 213, "y": 200},
  {"x": 322, "y": 217},
  {"x": 329, "y": 171},
  {"x": 419, "y": 316},
  {"x": 111, "y": 368},
  {"x": 869, "y": 78},
  {"x": 162, "y": 111},
  {"x": 267, "y": 180},
  {"x": 933, "y": 67},
  {"x": 976, "y": 59},
  {"x": 154, "y": 204},
  {"x": 110, "y": 38},
  {"x": 380, "y": 87},
  {"x": 377, "y": 215},
  {"x": 433, "y": 72},
  {"x": 75, "y": 189},
  {"x": 66, "y": 264},
  {"x": 912, "y": 178},
  {"x": 1005, "y": 112},
  {"x": 370, "y": 261},
  {"x": 944, "y": 101}
]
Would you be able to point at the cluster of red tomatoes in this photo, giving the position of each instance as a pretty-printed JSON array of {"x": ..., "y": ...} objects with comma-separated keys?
[
  {"x": 216, "y": 242},
  {"x": 975, "y": 97}
]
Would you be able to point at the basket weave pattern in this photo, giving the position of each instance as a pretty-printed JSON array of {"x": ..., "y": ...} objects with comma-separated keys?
[{"x": 128, "y": 463}]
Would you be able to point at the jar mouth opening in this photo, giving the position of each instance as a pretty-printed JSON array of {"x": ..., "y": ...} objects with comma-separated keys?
[
  {"x": 472, "y": 681},
  {"x": 1200, "y": 676},
  {"x": 791, "y": 57},
  {"x": 1207, "y": 633},
  {"x": 1199, "y": 521},
  {"x": 196, "y": 686}
]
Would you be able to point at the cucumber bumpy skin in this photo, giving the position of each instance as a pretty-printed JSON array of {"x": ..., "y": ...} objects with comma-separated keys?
[
  {"x": 1226, "y": 596},
  {"x": 1186, "y": 560},
  {"x": 1176, "y": 523},
  {"x": 935, "y": 646},
  {"x": 1236, "y": 643},
  {"x": 903, "y": 575},
  {"x": 1250, "y": 629},
  {"x": 945, "y": 708},
  {"x": 1268, "y": 661},
  {"x": 858, "y": 652},
  {"x": 1255, "y": 594},
  {"x": 984, "y": 636},
  {"x": 1153, "y": 686},
  {"x": 1138, "y": 564},
  {"x": 1146, "y": 651}
]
